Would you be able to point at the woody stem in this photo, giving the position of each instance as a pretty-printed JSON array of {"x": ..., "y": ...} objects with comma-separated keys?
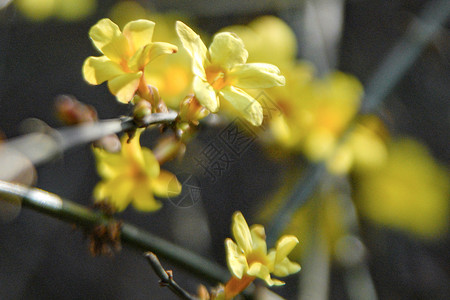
[{"x": 67, "y": 211}]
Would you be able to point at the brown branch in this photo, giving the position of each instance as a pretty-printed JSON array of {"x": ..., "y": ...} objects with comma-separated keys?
[{"x": 167, "y": 277}]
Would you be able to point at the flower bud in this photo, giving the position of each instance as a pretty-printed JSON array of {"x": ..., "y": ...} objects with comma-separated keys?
[{"x": 191, "y": 110}]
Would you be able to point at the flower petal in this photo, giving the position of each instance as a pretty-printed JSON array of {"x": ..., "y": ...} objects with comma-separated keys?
[
  {"x": 109, "y": 165},
  {"x": 97, "y": 70},
  {"x": 132, "y": 151},
  {"x": 124, "y": 86},
  {"x": 237, "y": 263},
  {"x": 259, "y": 239},
  {"x": 261, "y": 271},
  {"x": 161, "y": 48},
  {"x": 143, "y": 199},
  {"x": 166, "y": 185},
  {"x": 227, "y": 50},
  {"x": 205, "y": 94},
  {"x": 118, "y": 49},
  {"x": 256, "y": 76},
  {"x": 151, "y": 165},
  {"x": 241, "y": 232},
  {"x": 244, "y": 103},
  {"x": 140, "y": 58},
  {"x": 116, "y": 191},
  {"x": 194, "y": 46},
  {"x": 146, "y": 54},
  {"x": 103, "y": 33},
  {"x": 285, "y": 268},
  {"x": 139, "y": 33},
  {"x": 284, "y": 246}
]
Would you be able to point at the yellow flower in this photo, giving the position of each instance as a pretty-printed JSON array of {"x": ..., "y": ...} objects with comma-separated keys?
[
  {"x": 221, "y": 72},
  {"x": 248, "y": 257},
  {"x": 364, "y": 148},
  {"x": 126, "y": 56},
  {"x": 268, "y": 39},
  {"x": 69, "y": 10},
  {"x": 133, "y": 175},
  {"x": 408, "y": 192}
]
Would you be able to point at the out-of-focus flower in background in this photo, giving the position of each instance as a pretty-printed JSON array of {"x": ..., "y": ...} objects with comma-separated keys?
[
  {"x": 408, "y": 192},
  {"x": 133, "y": 176},
  {"x": 67, "y": 10}
]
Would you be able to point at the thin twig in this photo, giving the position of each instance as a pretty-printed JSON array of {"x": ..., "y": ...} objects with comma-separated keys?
[
  {"x": 167, "y": 277},
  {"x": 65, "y": 210},
  {"x": 382, "y": 82},
  {"x": 41, "y": 147}
]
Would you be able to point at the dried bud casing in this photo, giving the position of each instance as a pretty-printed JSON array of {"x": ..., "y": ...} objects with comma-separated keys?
[{"x": 71, "y": 111}]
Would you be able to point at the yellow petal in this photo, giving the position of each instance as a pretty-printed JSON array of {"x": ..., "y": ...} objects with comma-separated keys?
[
  {"x": 194, "y": 46},
  {"x": 124, "y": 86},
  {"x": 285, "y": 268},
  {"x": 151, "y": 165},
  {"x": 146, "y": 54},
  {"x": 97, "y": 70},
  {"x": 132, "y": 150},
  {"x": 244, "y": 103},
  {"x": 237, "y": 263},
  {"x": 256, "y": 76},
  {"x": 139, "y": 33},
  {"x": 205, "y": 94},
  {"x": 116, "y": 191},
  {"x": 261, "y": 271},
  {"x": 284, "y": 246},
  {"x": 259, "y": 239},
  {"x": 143, "y": 199},
  {"x": 140, "y": 58},
  {"x": 118, "y": 49},
  {"x": 227, "y": 50},
  {"x": 160, "y": 48},
  {"x": 241, "y": 232},
  {"x": 103, "y": 33},
  {"x": 109, "y": 165},
  {"x": 120, "y": 192},
  {"x": 166, "y": 185}
]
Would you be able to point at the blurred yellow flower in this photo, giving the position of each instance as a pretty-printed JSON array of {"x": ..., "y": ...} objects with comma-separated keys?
[
  {"x": 248, "y": 257},
  {"x": 408, "y": 192},
  {"x": 133, "y": 176},
  {"x": 267, "y": 39},
  {"x": 126, "y": 57},
  {"x": 334, "y": 102},
  {"x": 364, "y": 149},
  {"x": 69, "y": 10},
  {"x": 221, "y": 72}
]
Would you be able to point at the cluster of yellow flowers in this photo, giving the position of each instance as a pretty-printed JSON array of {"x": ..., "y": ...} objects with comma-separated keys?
[
  {"x": 314, "y": 114},
  {"x": 219, "y": 73}
]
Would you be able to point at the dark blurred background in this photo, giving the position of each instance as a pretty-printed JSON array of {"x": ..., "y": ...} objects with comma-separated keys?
[{"x": 43, "y": 258}]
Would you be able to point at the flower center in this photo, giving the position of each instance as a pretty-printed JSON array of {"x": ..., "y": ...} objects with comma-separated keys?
[
  {"x": 256, "y": 257},
  {"x": 216, "y": 77}
]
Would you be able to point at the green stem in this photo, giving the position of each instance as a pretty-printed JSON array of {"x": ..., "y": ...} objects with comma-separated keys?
[{"x": 67, "y": 211}]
